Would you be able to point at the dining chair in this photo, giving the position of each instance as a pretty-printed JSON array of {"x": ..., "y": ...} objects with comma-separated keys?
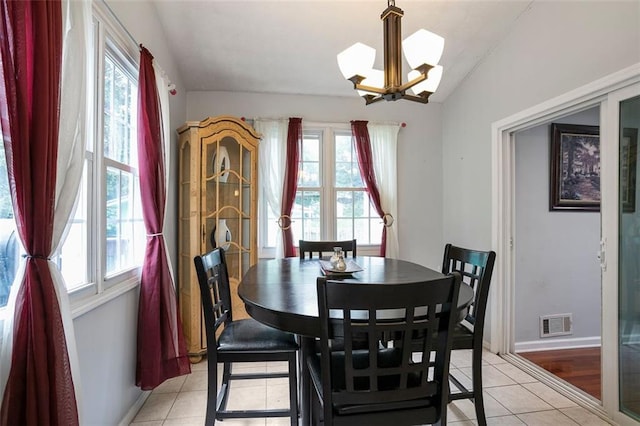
[
  {"x": 476, "y": 268},
  {"x": 383, "y": 385},
  {"x": 244, "y": 340},
  {"x": 325, "y": 248}
]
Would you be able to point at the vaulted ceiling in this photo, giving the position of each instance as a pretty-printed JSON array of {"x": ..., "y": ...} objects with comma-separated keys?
[{"x": 290, "y": 47}]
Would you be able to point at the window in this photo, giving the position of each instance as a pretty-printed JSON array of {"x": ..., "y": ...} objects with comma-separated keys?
[
  {"x": 106, "y": 241},
  {"x": 331, "y": 202}
]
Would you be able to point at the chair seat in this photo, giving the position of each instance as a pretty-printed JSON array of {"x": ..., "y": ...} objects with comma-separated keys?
[
  {"x": 250, "y": 335},
  {"x": 462, "y": 337}
]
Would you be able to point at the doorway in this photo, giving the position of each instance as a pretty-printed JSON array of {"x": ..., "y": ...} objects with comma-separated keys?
[
  {"x": 554, "y": 328},
  {"x": 503, "y": 324}
]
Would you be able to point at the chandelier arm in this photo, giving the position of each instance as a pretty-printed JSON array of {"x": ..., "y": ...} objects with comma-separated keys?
[
  {"x": 412, "y": 83},
  {"x": 373, "y": 89},
  {"x": 424, "y": 74},
  {"x": 357, "y": 79},
  {"x": 423, "y": 98},
  {"x": 370, "y": 99}
]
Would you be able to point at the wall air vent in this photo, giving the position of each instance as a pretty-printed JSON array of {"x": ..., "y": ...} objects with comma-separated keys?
[{"x": 556, "y": 325}]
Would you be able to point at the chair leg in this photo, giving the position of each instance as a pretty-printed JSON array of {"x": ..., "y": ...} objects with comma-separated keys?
[
  {"x": 478, "y": 400},
  {"x": 212, "y": 392},
  {"x": 293, "y": 390},
  {"x": 223, "y": 396}
]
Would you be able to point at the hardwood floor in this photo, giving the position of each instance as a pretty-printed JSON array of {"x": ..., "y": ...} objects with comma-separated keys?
[{"x": 580, "y": 367}]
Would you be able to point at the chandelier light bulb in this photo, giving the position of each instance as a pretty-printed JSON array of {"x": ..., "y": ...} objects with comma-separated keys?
[
  {"x": 423, "y": 47},
  {"x": 356, "y": 60},
  {"x": 430, "y": 84}
]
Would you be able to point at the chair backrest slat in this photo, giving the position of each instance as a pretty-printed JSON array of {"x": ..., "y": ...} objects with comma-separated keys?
[
  {"x": 476, "y": 268},
  {"x": 385, "y": 372},
  {"x": 308, "y": 248},
  {"x": 215, "y": 292}
]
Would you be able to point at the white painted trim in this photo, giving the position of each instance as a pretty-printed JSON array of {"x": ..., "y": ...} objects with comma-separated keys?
[
  {"x": 82, "y": 307},
  {"x": 131, "y": 414},
  {"x": 571, "y": 101},
  {"x": 555, "y": 344}
]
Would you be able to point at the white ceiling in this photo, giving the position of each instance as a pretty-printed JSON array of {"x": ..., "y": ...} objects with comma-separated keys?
[{"x": 290, "y": 47}]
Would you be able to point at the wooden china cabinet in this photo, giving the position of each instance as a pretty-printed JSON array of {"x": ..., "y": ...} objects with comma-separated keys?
[{"x": 218, "y": 174}]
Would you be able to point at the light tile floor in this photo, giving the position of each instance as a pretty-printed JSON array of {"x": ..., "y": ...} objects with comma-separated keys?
[{"x": 512, "y": 397}]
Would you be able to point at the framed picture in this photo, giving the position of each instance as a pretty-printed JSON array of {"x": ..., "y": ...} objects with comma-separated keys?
[
  {"x": 575, "y": 168},
  {"x": 628, "y": 158}
]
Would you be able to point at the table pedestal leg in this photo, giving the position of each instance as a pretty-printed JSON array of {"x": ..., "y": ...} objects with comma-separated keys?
[{"x": 307, "y": 346}]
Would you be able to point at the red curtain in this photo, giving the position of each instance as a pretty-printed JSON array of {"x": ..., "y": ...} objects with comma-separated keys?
[
  {"x": 162, "y": 351},
  {"x": 39, "y": 390},
  {"x": 294, "y": 139},
  {"x": 365, "y": 163}
]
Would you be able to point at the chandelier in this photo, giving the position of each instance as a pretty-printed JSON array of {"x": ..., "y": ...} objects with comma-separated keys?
[{"x": 422, "y": 50}]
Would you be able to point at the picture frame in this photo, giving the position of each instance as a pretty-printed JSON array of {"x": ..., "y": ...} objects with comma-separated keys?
[
  {"x": 575, "y": 168},
  {"x": 628, "y": 158}
]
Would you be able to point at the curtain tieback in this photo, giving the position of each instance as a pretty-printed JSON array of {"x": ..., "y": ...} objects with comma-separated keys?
[
  {"x": 387, "y": 219},
  {"x": 154, "y": 235},
  {"x": 285, "y": 218},
  {"x": 35, "y": 256}
]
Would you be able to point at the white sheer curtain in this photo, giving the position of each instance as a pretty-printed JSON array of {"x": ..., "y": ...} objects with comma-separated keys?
[
  {"x": 384, "y": 143},
  {"x": 162, "y": 83},
  {"x": 271, "y": 167},
  {"x": 71, "y": 146}
]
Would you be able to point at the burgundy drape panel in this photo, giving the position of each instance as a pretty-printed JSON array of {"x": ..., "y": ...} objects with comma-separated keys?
[
  {"x": 294, "y": 138},
  {"x": 39, "y": 389},
  {"x": 162, "y": 351},
  {"x": 365, "y": 163}
]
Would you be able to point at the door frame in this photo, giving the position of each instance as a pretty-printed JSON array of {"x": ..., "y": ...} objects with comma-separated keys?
[
  {"x": 501, "y": 298},
  {"x": 610, "y": 229}
]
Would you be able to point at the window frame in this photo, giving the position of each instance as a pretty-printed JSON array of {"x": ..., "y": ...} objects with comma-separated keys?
[
  {"x": 328, "y": 219},
  {"x": 109, "y": 38}
]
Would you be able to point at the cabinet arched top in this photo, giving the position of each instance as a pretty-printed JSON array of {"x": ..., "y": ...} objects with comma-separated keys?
[{"x": 223, "y": 125}]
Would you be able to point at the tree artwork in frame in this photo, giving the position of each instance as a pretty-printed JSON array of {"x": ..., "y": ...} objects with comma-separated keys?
[
  {"x": 628, "y": 157},
  {"x": 575, "y": 168}
]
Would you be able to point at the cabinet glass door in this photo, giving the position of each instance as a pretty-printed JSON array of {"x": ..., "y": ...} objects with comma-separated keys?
[{"x": 227, "y": 211}]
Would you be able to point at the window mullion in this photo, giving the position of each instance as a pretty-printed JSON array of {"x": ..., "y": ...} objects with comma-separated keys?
[
  {"x": 328, "y": 184},
  {"x": 98, "y": 203}
]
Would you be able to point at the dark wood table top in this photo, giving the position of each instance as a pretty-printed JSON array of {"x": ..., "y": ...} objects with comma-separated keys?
[{"x": 282, "y": 292}]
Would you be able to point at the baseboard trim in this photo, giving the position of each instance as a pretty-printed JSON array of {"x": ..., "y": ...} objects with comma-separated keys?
[
  {"x": 555, "y": 344},
  {"x": 131, "y": 414}
]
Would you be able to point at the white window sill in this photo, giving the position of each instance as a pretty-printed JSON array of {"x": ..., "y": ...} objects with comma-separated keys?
[{"x": 83, "y": 306}]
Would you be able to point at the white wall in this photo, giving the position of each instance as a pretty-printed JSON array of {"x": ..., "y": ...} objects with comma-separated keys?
[
  {"x": 106, "y": 336},
  {"x": 554, "y": 47},
  {"x": 419, "y": 152},
  {"x": 565, "y": 242}
]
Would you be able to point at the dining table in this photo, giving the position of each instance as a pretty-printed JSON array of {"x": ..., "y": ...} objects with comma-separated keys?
[{"x": 282, "y": 293}]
